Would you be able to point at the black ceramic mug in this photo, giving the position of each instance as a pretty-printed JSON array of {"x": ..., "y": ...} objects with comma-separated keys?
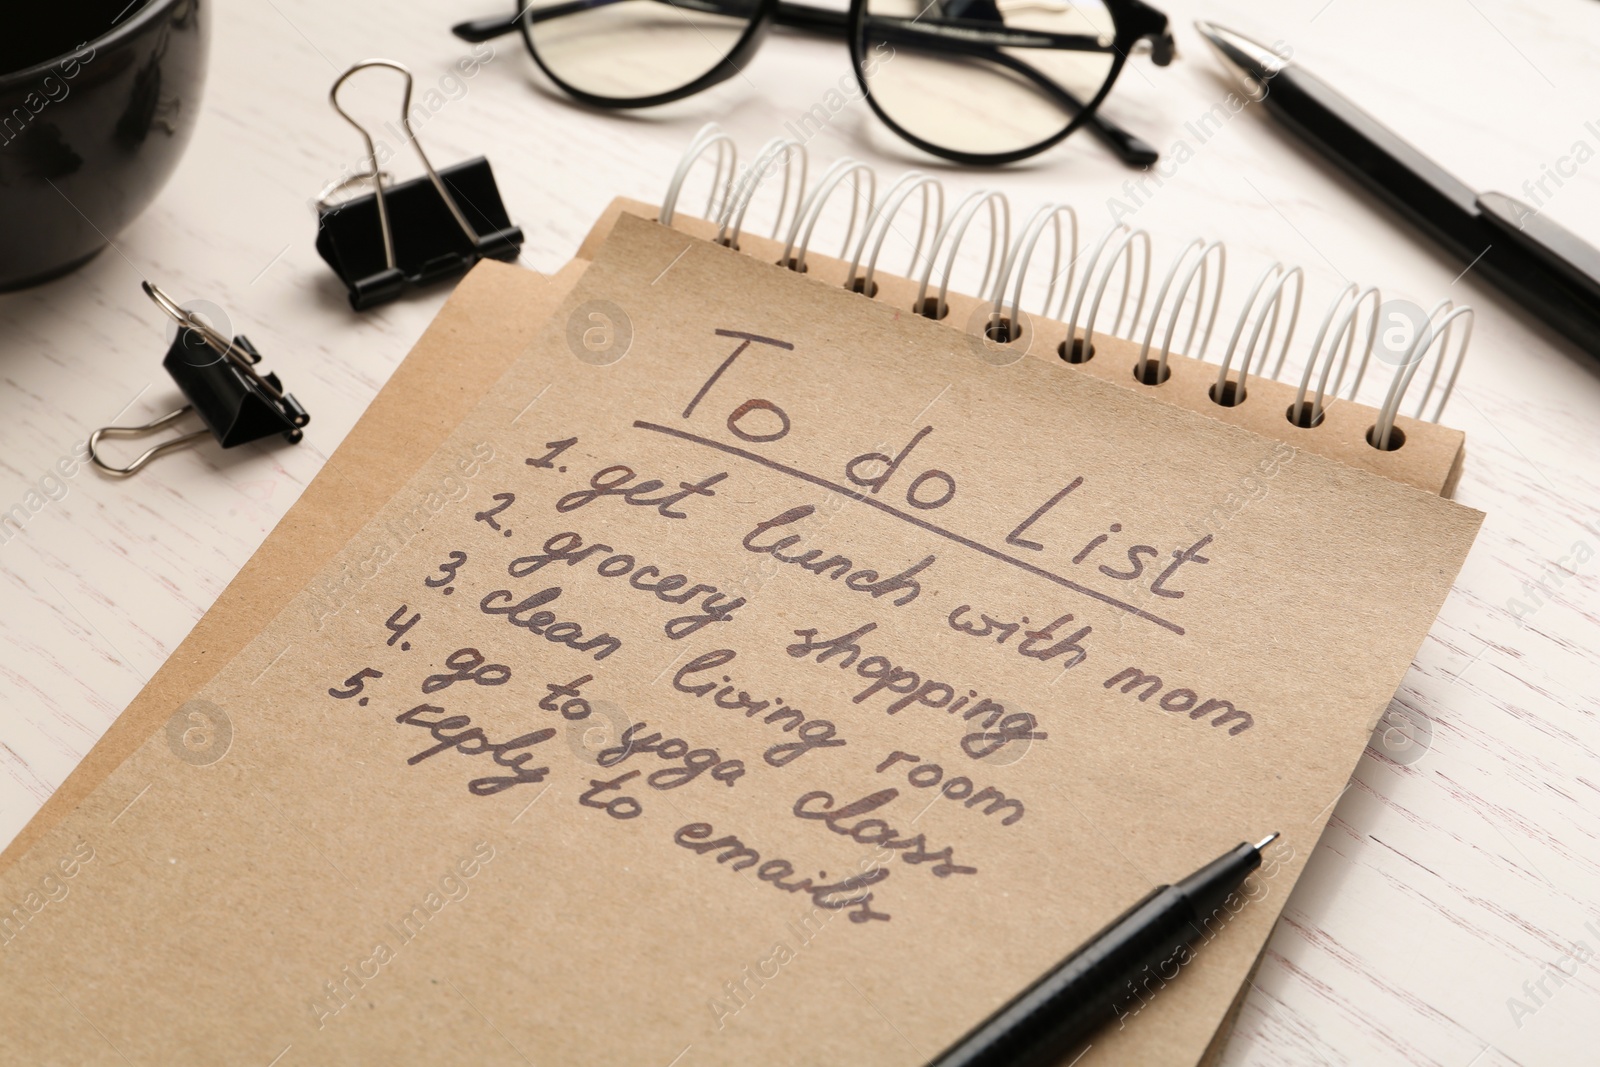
[{"x": 97, "y": 101}]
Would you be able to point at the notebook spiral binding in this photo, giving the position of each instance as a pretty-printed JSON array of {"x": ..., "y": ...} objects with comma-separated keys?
[{"x": 1267, "y": 319}]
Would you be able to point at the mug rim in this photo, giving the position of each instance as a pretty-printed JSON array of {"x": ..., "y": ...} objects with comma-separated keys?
[{"x": 152, "y": 10}]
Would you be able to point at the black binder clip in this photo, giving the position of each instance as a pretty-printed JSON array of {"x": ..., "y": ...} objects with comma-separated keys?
[
  {"x": 419, "y": 231},
  {"x": 219, "y": 380}
]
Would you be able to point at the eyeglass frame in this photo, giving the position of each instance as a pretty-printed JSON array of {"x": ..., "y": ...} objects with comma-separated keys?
[{"x": 1134, "y": 21}]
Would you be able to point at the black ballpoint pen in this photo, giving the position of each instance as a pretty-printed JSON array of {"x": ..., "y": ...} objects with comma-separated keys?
[
  {"x": 1551, "y": 272},
  {"x": 1052, "y": 1016}
]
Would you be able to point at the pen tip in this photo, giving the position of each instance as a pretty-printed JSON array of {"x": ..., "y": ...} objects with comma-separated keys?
[
  {"x": 1254, "y": 62},
  {"x": 1265, "y": 841}
]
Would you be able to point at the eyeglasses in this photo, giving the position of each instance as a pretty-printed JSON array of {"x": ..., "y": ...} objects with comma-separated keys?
[{"x": 980, "y": 82}]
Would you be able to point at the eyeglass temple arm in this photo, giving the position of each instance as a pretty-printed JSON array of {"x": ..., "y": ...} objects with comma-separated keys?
[
  {"x": 1128, "y": 147},
  {"x": 485, "y": 29}
]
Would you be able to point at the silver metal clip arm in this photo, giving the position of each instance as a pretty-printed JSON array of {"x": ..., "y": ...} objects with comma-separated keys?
[{"x": 149, "y": 454}]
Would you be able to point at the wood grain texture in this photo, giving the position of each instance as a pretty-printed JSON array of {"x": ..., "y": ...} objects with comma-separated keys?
[{"x": 1444, "y": 887}]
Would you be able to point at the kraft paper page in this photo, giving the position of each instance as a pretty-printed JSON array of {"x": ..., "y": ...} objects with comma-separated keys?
[{"x": 757, "y": 675}]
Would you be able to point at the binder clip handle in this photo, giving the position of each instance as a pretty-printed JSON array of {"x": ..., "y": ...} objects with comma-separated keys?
[
  {"x": 139, "y": 431},
  {"x": 377, "y": 176},
  {"x": 219, "y": 381}
]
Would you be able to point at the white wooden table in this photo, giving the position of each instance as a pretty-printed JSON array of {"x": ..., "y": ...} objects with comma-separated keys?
[{"x": 1442, "y": 889}]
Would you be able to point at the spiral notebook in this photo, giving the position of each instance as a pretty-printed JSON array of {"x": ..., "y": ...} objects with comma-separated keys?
[{"x": 758, "y": 673}]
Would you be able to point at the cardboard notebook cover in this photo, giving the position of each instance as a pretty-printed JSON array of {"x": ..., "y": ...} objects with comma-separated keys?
[{"x": 335, "y": 885}]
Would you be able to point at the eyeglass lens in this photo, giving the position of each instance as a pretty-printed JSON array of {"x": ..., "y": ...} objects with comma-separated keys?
[
  {"x": 632, "y": 49},
  {"x": 986, "y": 77}
]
